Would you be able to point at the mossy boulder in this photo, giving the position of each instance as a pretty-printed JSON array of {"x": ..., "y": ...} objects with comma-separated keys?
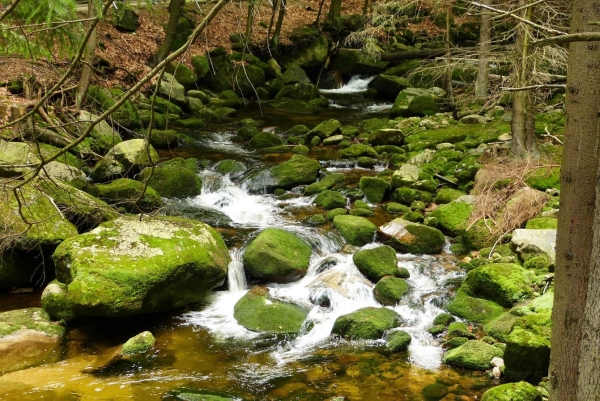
[
  {"x": 311, "y": 53},
  {"x": 351, "y": 62},
  {"x": 230, "y": 166},
  {"x": 201, "y": 65},
  {"x": 527, "y": 355},
  {"x": 447, "y": 195},
  {"x": 529, "y": 243},
  {"x": 125, "y": 159},
  {"x": 168, "y": 88},
  {"x": 356, "y": 230},
  {"x": 295, "y": 74},
  {"x": 165, "y": 106},
  {"x": 521, "y": 391},
  {"x": 473, "y": 354},
  {"x": 376, "y": 263},
  {"x": 329, "y": 200},
  {"x": 102, "y": 137},
  {"x": 403, "y": 99},
  {"x": 126, "y": 193},
  {"x": 473, "y": 309},
  {"x": 389, "y": 290},
  {"x": 265, "y": 139},
  {"x": 183, "y": 74},
  {"x": 398, "y": 341},
  {"x": 51, "y": 226},
  {"x": 328, "y": 182},
  {"x": 374, "y": 188},
  {"x": 443, "y": 319},
  {"x": 28, "y": 338},
  {"x": 301, "y": 91},
  {"x": 410, "y": 237},
  {"x": 278, "y": 256},
  {"x": 139, "y": 344},
  {"x": 366, "y": 323},
  {"x": 258, "y": 311},
  {"x": 127, "y": 267},
  {"x": 396, "y": 208},
  {"x": 434, "y": 392},
  {"x": 176, "y": 178},
  {"x": 298, "y": 170},
  {"x": 357, "y": 150},
  {"x": 459, "y": 329},
  {"x": 324, "y": 130},
  {"x": 386, "y": 136},
  {"x": 336, "y": 212},
  {"x": 125, "y": 19},
  {"x": 164, "y": 139},
  {"x": 407, "y": 196},
  {"x": 56, "y": 303},
  {"x": 502, "y": 283}
]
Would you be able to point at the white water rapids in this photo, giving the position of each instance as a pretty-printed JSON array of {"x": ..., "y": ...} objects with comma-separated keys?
[{"x": 331, "y": 273}]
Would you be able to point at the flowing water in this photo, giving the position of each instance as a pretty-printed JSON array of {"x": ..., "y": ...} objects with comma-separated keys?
[{"x": 204, "y": 348}]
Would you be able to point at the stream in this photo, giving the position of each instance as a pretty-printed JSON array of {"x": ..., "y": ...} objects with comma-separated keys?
[{"x": 204, "y": 348}]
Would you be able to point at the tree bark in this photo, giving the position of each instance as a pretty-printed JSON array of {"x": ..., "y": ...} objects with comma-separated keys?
[
  {"x": 175, "y": 11},
  {"x": 522, "y": 126},
  {"x": 277, "y": 32},
  {"x": 448, "y": 74},
  {"x": 485, "y": 44},
  {"x": 88, "y": 58},
  {"x": 575, "y": 239},
  {"x": 334, "y": 17}
]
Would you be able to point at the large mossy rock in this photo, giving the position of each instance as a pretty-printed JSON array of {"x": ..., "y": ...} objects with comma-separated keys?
[
  {"x": 28, "y": 338},
  {"x": 125, "y": 19},
  {"x": 474, "y": 309},
  {"x": 410, "y": 237},
  {"x": 257, "y": 311},
  {"x": 328, "y": 182},
  {"x": 50, "y": 226},
  {"x": 521, "y": 391},
  {"x": 355, "y": 229},
  {"x": 400, "y": 107},
  {"x": 265, "y": 139},
  {"x": 389, "y": 290},
  {"x": 398, "y": 341},
  {"x": 310, "y": 54},
  {"x": 529, "y": 243},
  {"x": 351, "y": 62},
  {"x": 170, "y": 89},
  {"x": 129, "y": 194},
  {"x": 278, "y": 256},
  {"x": 176, "y": 178},
  {"x": 453, "y": 217},
  {"x": 13, "y": 156},
  {"x": 374, "y": 188},
  {"x": 125, "y": 159},
  {"x": 102, "y": 137},
  {"x": 502, "y": 283},
  {"x": 300, "y": 91},
  {"x": 366, "y": 323},
  {"x": 376, "y": 263},
  {"x": 473, "y": 354},
  {"x": 325, "y": 130},
  {"x": 295, "y": 75},
  {"x": 126, "y": 266},
  {"x": 388, "y": 86},
  {"x": 329, "y": 200},
  {"x": 298, "y": 170},
  {"x": 386, "y": 136}
]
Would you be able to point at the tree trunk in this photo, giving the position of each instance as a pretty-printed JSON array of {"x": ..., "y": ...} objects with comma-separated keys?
[
  {"x": 334, "y": 17},
  {"x": 175, "y": 11},
  {"x": 88, "y": 57},
  {"x": 575, "y": 240},
  {"x": 524, "y": 144},
  {"x": 277, "y": 32},
  {"x": 485, "y": 43},
  {"x": 448, "y": 75}
]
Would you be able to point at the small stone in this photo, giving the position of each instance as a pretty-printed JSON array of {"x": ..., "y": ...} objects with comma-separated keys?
[
  {"x": 496, "y": 372},
  {"x": 505, "y": 137},
  {"x": 497, "y": 362}
]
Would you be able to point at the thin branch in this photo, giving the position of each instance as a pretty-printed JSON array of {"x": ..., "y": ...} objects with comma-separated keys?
[
  {"x": 523, "y": 20},
  {"x": 563, "y": 39},
  {"x": 9, "y": 9},
  {"x": 535, "y": 3}
]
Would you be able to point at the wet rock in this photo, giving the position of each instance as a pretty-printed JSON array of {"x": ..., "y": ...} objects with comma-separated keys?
[
  {"x": 265, "y": 140},
  {"x": 521, "y": 391},
  {"x": 196, "y": 395},
  {"x": 28, "y": 338},
  {"x": 350, "y": 62},
  {"x": 170, "y": 89},
  {"x": 411, "y": 237},
  {"x": 329, "y": 200},
  {"x": 258, "y": 311},
  {"x": 358, "y": 150},
  {"x": 330, "y": 181},
  {"x": 455, "y": 342},
  {"x": 295, "y": 74},
  {"x": 278, "y": 256},
  {"x": 530, "y": 243},
  {"x": 366, "y": 323},
  {"x": 398, "y": 341},
  {"x": 474, "y": 309},
  {"x": 444, "y": 319},
  {"x": 324, "y": 129},
  {"x": 374, "y": 188},
  {"x": 300, "y": 91},
  {"x": 434, "y": 392},
  {"x": 376, "y": 263},
  {"x": 139, "y": 344},
  {"x": 356, "y": 230},
  {"x": 55, "y": 302},
  {"x": 333, "y": 281},
  {"x": 403, "y": 99},
  {"x": 125, "y": 192},
  {"x": 459, "y": 329},
  {"x": 311, "y": 53},
  {"x": 502, "y": 283},
  {"x": 124, "y": 159},
  {"x": 389, "y": 290},
  {"x": 298, "y": 170},
  {"x": 386, "y": 136},
  {"x": 130, "y": 266},
  {"x": 447, "y": 195},
  {"x": 229, "y": 166},
  {"x": 473, "y": 354},
  {"x": 102, "y": 137},
  {"x": 176, "y": 178}
]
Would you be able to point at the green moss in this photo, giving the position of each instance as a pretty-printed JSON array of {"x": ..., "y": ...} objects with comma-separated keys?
[
  {"x": 336, "y": 212},
  {"x": 459, "y": 329},
  {"x": 411, "y": 237},
  {"x": 358, "y": 150},
  {"x": 389, "y": 290},
  {"x": 396, "y": 208},
  {"x": 527, "y": 355},
  {"x": 257, "y": 311},
  {"x": 476, "y": 310},
  {"x": 472, "y": 355},
  {"x": 443, "y": 319},
  {"x": 229, "y": 166},
  {"x": 190, "y": 123},
  {"x": 503, "y": 283},
  {"x": 398, "y": 341},
  {"x": 376, "y": 263},
  {"x": 124, "y": 192},
  {"x": 68, "y": 158},
  {"x": 173, "y": 179},
  {"x": 406, "y": 196},
  {"x": 434, "y": 392},
  {"x": 544, "y": 178},
  {"x": 521, "y": 391},
  {"x": 201, "y": 65},
  {"x": 362, "y": 212},
  {"x": 359, "y": 204},
  {"x": 32, "y": 319},
  {"x": 501, "y": 326},
  {"x": 356, "y": 230},
  {"x": 264, "y": 140},
  {"x": 539, "y": 263},
  {"x": 374, "y": 188},
  {"x": 455, "y": 342},
  {"x": 139, "y": 344},
  {"x": 277, "y": 255},
  {"x": 366, "y": 324},
  {"x": 298, "y": 170},
  {"x": 447, "y": 195},
  {"x": 542, "y": 223},
  {"x": 330, "y": 200},
  {"x": 436, "y": 329}
]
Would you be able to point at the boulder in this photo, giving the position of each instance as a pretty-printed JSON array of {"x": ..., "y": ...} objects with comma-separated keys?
[
  {"x": 356, "y": 230},
  {"x": 473, "y": 354},
  {"x": 329, "y": 200},
  {"x": 201, "y": 66},
  {"x": 386, "y": 136},
  {"x": 258, "y": 311},
  {"x": 521, "y": 391},
  {"x": 183, "y": 74},
  {"x": 265, "y": 139},
  {"x": 125, "y": 19},
  {"x": 298, "y": 170},
  {"x": 528, "y": 243},
  {"x": 453, "y": 217},
  {"x": 527, "y": 355},
  {"x": 176, "y": 178},
  {"x": 475, "y": 119},
  {"x": 139, "y": 344},
  {"x": 165, "y": 139},
  {"x": 56, "y": 303},
  {"x": 351, "y": 62},
  {"x": 300, "y": 91},
  {"x": 366, "y": 323},
  {"x": 376, "y": 263},
  {"x": 230, "y": 166},
  {"x": 447, "y": 195},
  {"x": 312, "y": 55},
  {"x": 405, "y": 176},
  {"x": 459, "y": 329},
  {"x": 126, "y": 266},
  {"x": 278, "y": 256},
  {"x": 290, "y": 105},
  {"x": 403, "y": 99},
  {"x": 412, "y": 237},
  {"x": 28, "y": 338},
  {"x": 473, "y": 309},
  {"x": 388, "y": 86},
  {"x": 125, "y": 159},
  {"x": 324, "y": 130},
  {"x": 328, "y": 182},
  {"x": 357, "y": 150},
  {"x": 14, "y": 156},
  {"x": 102, "y": 137},
  {"x": 502, "y": 283},
  {"x": 398, "y": 341},
  {"x": 389, "y": 290},
  {"x": 125, "y": 193},
  {"x": 374, "y": 188},
  {"x": 172, "y": 90},
  {"x": 294, "y": 75},
  {"x": 62, "y": 172}
]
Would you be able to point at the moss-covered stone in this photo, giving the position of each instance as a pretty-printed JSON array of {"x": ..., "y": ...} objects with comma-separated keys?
[
  {"x": 356, "y": 230},
  {"x": 459, "y": 329},
  {"x": 474, "y": 309},
  {"x": 398, "y": 341},
  {"x": 444, "y": 319},
  {"x": 455, "y": 342},
  {"x": 336, "y": 212},
  {"x": 527, "y": 355},
  {"x": 325, "y": 129},
  {"x": 56, "y": 303},
  {"x": 125, "y": 159},
  {"x": 396, "y": 208},
  {"x": 374, "y": 188},
  {"x": 409, "y": 237},
  {"x": 350, "y": 62},
  {"x": 277, "y": 255},
  {"x": 328, "y": 182},
  {"x": 436, "y": 329},
  {"x": 124, "y": 192},
  {"x": 139, "y": 344},
  {"x": 101, "y": 139},
  {"x": 542, "y": 223},
  {"x": 290, "y": 105},
  {"x": 502, "y": 283},
  {"x": 329, "y": 200},
  {"x": 521, "y": 391},
  {"x": 201, "y": 65},
  {"x": 183, "y": 74},
  {"x": 265, "y": 139},
  {"x": 28, "y": 338},
  {"x": 257, "y": 311},
  {"x": 434, "y": 391},
  {"x": 473, "y": 354},
  {"x": 174, "y": 178},
  {"x": 407, "y": 196},
  {"x": 539, "y": 263},
  {"x": 296, "y": 171},
  {"x": 453, "y": 217},
  {"x": 300, "y": 91},
  {"x": 229, "y": 166},
  {"x": 389, "y": 290},
  {"x": 366, "y": 323},
  {"x": 358, "y": 150},
  {"x": 376, "y": 263},
  {"x": 130, "y": 266},
  {"x": 544, "y": 178},
  {"x": 447, "y": 195}
]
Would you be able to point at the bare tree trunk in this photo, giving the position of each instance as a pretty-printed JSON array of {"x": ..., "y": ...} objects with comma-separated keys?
[
  {"x": 485, "y": 44},
  {"x": 365, "y": 8},
  {"x": 448, "y": 75},
  {"x": 277, "y": 32},
  {"x": 334, "y": 16},
  {"x": 175, "y": 11},
  {"x": 524, "y": 144},
  {"x": 574, "y": 359},
  {"x": 88, "y": 58}
]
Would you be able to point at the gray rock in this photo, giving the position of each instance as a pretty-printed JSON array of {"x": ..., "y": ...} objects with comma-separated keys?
[
  {"x": 475, "y": 119},
  {"x": 14, "y": 158},
  {"x": 126, "y": 158},
  {"x": 170, "y": 89},
  {"x": 529, "y": 243}
]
